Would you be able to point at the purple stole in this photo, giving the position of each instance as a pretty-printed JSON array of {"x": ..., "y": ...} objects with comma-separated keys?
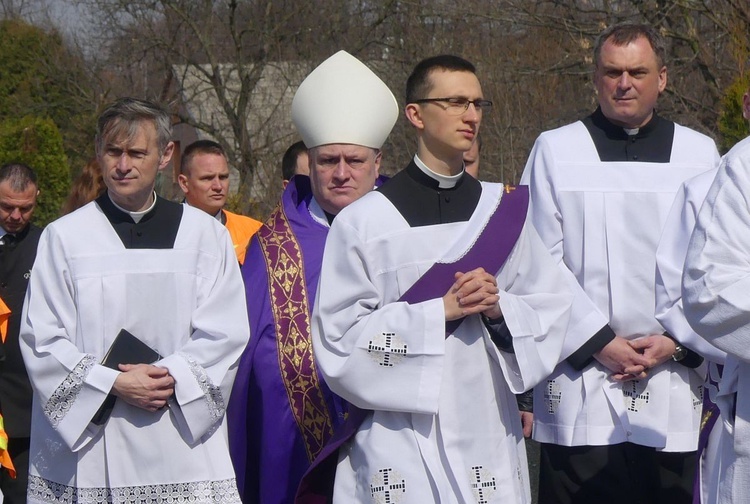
[
  {"x": 290, "y": 305},
  {"x": 490, "y": 251},
  {"x": 709, "y": 415}
]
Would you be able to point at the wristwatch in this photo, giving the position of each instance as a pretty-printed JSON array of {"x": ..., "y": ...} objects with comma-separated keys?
[{"x": 680, "y": 352}]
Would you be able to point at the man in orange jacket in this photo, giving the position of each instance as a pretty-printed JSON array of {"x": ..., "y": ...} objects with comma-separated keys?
[{"x": 204, "y": 178}]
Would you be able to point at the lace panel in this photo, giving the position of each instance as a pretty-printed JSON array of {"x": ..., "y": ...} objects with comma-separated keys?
[
  {"x": 64, "y": 396},
  {"x": 212, "y": 393},
  {"x": 194, "y": 492}
]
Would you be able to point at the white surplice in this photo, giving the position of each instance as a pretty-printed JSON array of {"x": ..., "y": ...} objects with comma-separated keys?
[
  {"x": 187, "y": 303},
  {"x": 602, "y": 221},
  {"x": 670, "y": 259},
  {"x": 716, "y": 282},
  {"x": 445, "y": 424}
]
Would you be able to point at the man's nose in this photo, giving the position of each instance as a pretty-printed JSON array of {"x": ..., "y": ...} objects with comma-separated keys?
[
  {"x": 471, "y": 114},
  {"x": 624, "y": 81},
  {"x": 122, "y": 163},
  {"x": 342, "y": 170}
]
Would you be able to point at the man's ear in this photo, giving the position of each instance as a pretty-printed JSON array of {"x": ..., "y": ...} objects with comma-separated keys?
[
  {"x": 378, "y": 158},
  {"x": 662, "y": 79},
  {"x": 413, "y": 113},
  {"x": 166, "y": 156},
  {"x": 182, "y": 181}
]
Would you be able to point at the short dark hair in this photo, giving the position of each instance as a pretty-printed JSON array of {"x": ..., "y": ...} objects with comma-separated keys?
[
  {"x": 289, "y": 160},
  {"x": 199, "y": 147},
  {"x": 18, "y": 175},
  {"x": 123, "y": 117},
  {"x": 625, "y": 33},
  {"x": 418, "y": 84}
]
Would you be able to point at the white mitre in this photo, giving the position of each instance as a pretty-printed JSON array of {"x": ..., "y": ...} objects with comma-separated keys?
[{"x": 343, "y": 101}]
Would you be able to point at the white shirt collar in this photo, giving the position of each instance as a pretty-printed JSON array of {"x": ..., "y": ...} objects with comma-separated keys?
[
  {"x": 136, "y": 216},
  {"x": 444, "y": 181},
  {"x": 317, "y": 213}
]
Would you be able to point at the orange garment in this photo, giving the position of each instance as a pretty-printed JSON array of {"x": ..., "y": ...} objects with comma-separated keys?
[
  {"x": 4, "y": 316},
  {"x": 241, "y": 229},
  {"x": 5, "y": 460}
]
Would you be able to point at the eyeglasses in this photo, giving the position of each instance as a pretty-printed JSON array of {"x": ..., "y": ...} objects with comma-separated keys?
[{"x": 458, "y": 105}]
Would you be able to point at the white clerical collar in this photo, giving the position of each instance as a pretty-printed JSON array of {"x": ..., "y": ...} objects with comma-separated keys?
[
  {"x": 317, "y": 213},
  {"x": 632, "y": 131},
  {"x": 136, "y": 216},
  {"x": 444, "y": 181}
]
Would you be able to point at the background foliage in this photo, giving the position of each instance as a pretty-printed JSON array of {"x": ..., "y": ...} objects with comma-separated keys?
[
  {"x": 732, "y": 126},
  {"x": 534, "y": 61},
  {"x": 37, "y": 142}
]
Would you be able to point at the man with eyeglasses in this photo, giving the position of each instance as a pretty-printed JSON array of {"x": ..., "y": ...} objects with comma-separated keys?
[
  {"x": 618, "y": 421},
  {"x": 435, "y": 304}
]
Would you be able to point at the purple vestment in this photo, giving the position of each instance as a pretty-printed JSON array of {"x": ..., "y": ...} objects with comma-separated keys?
[{"x": 281, "y": 413}]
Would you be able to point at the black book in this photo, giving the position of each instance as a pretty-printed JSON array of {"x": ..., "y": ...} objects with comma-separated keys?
[{"x": 125, "y": 349}]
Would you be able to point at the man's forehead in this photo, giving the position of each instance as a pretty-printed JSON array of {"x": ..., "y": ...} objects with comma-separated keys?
[
  {"x": 125, "y": 135},
  {"x": 8, "y": 193},
  {"x": 636, "y": 51},
  {"x": 208, "y": 162},
  {"x": 453, "y": 80},
  {"x": 343, "y": 149}
]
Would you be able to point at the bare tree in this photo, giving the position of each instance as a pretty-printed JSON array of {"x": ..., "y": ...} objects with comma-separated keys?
[
  {"x": 534, "y": 60},
  {"x": 238, "y": 61}
]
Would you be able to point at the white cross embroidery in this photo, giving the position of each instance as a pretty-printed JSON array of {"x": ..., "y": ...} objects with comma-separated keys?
[
  {"x": 698, "y": 397},
  {"x": 387, "y": 487},
  {"x": 388, "y": 349},
  {"x": 635, "y": 400},
  {"x": 552, "y": 396},
  {"x": 483, "y": 484}
]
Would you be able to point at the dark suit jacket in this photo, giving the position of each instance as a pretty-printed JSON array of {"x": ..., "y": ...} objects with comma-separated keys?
[{"x": 16, "y": 261}]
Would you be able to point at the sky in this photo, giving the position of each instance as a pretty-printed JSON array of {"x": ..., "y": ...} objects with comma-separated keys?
[{"x": 67, "y": 15}]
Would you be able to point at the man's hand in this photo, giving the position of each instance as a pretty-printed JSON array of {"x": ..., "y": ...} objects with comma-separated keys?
[
  {"x": 656, "y": 348},
  {"x": 527, "y": 422},
  {"x": 144, "y": 385},
  {"x": 473, "y": 292},
  {"x": 623, "y": 360}
]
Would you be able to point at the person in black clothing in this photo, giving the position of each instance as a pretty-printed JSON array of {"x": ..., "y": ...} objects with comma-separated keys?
[{"x": 18, "y": 194}]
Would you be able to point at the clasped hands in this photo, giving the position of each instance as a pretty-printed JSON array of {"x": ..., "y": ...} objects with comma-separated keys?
[
  {"x": 144, "y": 385},
  {"x": 476, "y": 292},
  {"x": 633, "y": 359},
  {"x": 473, "y": 292}
]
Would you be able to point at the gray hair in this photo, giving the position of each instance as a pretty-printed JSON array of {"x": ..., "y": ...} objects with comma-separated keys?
[
  {"x": 122, "y": 119},
  {"x": 18, "y": 175},
  {"x": 624, "y": 33}
]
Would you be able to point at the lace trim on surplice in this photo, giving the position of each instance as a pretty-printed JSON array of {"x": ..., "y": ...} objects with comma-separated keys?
[
  {"x": 193, "y": 492},
  {"x": 64, "y": 396},
  {"x": 212, "y": 393}
]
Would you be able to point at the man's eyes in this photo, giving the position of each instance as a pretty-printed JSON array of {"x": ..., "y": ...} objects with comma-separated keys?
[{"x": 457, "y": 102}]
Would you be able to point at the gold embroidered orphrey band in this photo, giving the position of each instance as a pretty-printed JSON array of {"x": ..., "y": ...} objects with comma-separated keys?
[{"x": 291, "y": 312}]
